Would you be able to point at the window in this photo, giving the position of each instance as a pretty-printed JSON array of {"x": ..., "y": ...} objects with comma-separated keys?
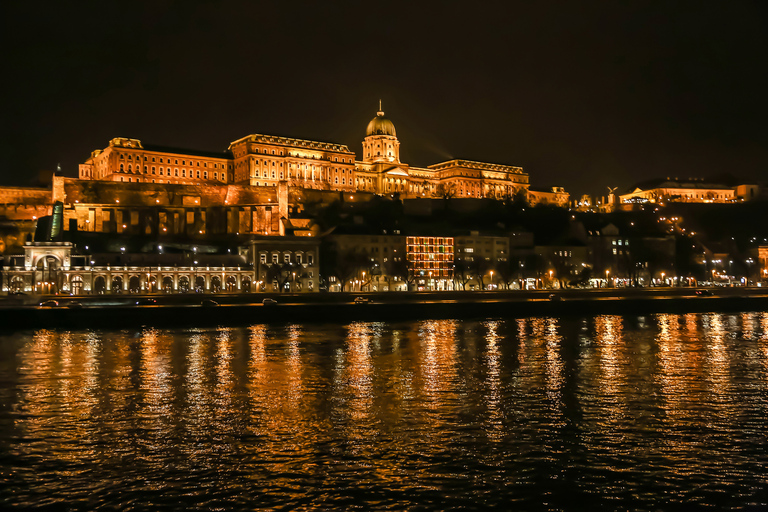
[
  {"x": 263, "y": 258},
  {"x": 298, "y": 259},
  {"x": 216, "y": 175},
  {"x": 198, "y": 173},
  {"x": 310, "y": 259},
  {"x": 275, "y": 258},
  {"x": 205, "y": 174},
  {"x": 176, "y": 172},
  {"x": 287, "y": 257}
]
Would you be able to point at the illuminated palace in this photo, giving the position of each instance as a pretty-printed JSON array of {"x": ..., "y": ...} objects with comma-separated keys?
[{"x": 266, "y": 160}]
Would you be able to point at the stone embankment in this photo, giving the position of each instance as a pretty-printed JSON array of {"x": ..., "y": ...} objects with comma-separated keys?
[{"x": 231, "y": 310}]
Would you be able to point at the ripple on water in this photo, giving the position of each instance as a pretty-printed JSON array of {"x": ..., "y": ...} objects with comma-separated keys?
[{"x": 597, "y": 413}]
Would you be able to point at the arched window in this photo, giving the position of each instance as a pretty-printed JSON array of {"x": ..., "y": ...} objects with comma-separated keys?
[
  {"x": 117, "y": 284},
  {"x": 76, "y": 285}
]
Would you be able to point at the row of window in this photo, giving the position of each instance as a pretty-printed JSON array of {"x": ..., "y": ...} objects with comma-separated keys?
[
  {"x": 176, "y": 161},
  {"x": 167, "y": 172},
  {"x": 298, "y": 258}
]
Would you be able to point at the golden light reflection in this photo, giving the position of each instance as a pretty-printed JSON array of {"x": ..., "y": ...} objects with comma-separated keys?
[
  {"x": 494, "y": 426},
  {"x": 717, "y": 362},
  {"x": 671, "y": 363},
  {"x": 608, "y": 340},
  {"x": 438, "y": 361},
  {"x": 275, "y": 387},
  {"x": 257, "y": 363},
  {"x": 59, "y": 383},
  {"x": 155, "y": 388},
  {"x": 224, "y": 386},
  {"x": 358, "y": 370},
  {"x": 295, "y": 387},
  {"x": 198, "y": 391}
]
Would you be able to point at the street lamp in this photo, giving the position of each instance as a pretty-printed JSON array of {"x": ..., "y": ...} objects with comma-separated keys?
[
  {"x": 662, "y": 278},
  {"x": 606, "y": 276},
  {"x": 491, "y": 280}
]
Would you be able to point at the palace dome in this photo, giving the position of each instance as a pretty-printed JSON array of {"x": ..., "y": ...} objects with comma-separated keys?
[{"x": 380, "y": 125}]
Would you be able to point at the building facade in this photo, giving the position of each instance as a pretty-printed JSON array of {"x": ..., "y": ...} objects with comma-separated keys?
[
  {"x": 51, "y": 268},
  {"x": 266, "y": 160}
]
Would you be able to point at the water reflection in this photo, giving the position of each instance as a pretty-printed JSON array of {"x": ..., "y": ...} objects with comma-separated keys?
[
  {"x": 493, "y": 399},
  {"x": 613, "y": 412}
]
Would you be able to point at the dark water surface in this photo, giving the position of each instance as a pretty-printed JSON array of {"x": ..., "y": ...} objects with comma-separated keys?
[{"x": 665, "y": 412}]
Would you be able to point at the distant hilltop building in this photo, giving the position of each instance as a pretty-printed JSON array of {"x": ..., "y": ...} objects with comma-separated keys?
[
  {"x": 266, "y": 160},
  {"x": 691, "y": 190}
]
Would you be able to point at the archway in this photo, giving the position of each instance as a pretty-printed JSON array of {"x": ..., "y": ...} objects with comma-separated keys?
[
  {"x": 231, "y": 283},
  {"x": 134, "y": 284},
  {"x": 48, "y": 267},
  {"x": 183, "y": 284},
  {"x": 199, "y": 284},
  {"x": 100, "y": 285},
  {"x": 245, "y": 284},
  {"x": 152, "y": 284},
  {"x": 167, "y": 284},
  {"x": 117, "y": 284},
  {"x": 215, "y": 284}
]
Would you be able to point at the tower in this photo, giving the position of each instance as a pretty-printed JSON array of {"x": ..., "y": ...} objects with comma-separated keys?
[{"x": 380, "y": 144}]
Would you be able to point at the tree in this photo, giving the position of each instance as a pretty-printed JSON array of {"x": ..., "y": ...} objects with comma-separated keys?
[
  {"x": 480, "y": 267},
  {"x": 508, "y": 271},
  {"x": 562, "y": 267},
  {"x": 462, "y": 273},
  {"x": 445, "y": 190},
  {"x": 396, "y": 268}
]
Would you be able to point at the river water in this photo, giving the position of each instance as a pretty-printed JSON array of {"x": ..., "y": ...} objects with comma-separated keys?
[{"x": 664, "y": 412}]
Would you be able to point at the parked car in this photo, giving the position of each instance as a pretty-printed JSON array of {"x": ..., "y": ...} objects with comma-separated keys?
[
  {"x": 362, "y": 300},
  {"x": 269, "y": 302},
  {"x": 704, "y": 293},
  {"x": 49, "y": 304},
  {"x": 554, "y": 297},
  {"x": 74, "y": 305}
]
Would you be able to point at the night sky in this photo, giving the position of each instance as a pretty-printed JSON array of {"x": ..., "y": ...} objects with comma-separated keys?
[{"x": 581, "y": 95}]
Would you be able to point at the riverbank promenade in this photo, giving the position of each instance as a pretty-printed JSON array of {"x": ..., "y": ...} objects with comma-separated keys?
[{"x": 31, "y": 311}]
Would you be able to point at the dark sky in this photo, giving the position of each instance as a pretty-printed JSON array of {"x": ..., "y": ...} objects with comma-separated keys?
[{"x": 581, "y": 94}]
